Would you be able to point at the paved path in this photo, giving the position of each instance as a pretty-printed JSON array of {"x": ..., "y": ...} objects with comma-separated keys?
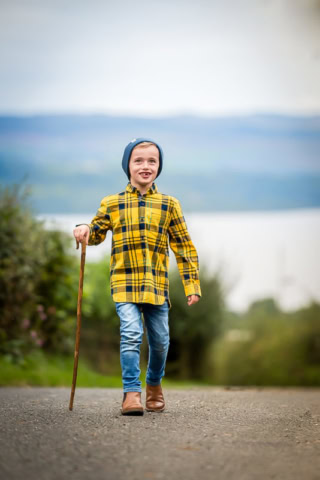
[{"x": 205, "y": 433}]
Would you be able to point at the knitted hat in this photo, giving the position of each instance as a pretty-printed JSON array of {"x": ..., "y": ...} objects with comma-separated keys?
[{"x": 128, "y": 151}]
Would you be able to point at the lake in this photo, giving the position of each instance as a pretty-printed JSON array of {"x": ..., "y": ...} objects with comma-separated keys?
[{"x": 257, "y": 254}]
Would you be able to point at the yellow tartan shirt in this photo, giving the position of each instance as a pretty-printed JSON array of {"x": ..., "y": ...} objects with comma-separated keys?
[{"x": 141, "y": 227}]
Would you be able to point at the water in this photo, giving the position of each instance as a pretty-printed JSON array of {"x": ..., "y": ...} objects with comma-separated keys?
[{"x": 258, "y": 254}]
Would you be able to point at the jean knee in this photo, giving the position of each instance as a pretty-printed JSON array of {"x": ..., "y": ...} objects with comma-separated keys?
[
  {"x": 131, "y": 338},
  {"x": 161, "y": 346},
  {"x": 131, "y": 329}
]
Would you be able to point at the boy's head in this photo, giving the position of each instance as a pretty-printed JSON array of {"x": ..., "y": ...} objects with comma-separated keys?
[{"x": 136, "y": 152}]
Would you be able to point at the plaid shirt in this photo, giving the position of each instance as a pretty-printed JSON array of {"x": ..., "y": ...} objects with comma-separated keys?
[{"x": 139, "y": 262}]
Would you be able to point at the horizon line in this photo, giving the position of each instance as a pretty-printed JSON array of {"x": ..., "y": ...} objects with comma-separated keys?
[{"x": 74, "y": 113}]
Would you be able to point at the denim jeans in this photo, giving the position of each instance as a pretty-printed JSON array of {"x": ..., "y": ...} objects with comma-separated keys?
[{"x": 156, "y": 319}]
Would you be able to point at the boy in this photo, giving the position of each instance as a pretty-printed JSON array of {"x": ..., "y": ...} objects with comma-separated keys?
[{"x": 142, "y": 220}]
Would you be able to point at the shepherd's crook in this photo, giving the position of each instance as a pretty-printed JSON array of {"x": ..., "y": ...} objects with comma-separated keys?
[{"x": 76, "y": 350}]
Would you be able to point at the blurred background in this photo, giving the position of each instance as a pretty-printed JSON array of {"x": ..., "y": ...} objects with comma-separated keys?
[{"x": 231, "y": 91}]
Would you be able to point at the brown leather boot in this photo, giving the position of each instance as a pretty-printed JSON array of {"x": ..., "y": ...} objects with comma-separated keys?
[
  {"x": 131, "y": 404},
  {"x": 154, "y": 398}
]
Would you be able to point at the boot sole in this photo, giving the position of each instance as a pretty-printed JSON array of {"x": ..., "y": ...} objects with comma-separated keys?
[
  {"x": 133, "y": 412},
  {"x": 155, "y": 410}
]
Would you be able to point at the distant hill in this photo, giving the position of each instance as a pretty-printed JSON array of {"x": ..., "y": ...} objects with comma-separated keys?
[{"x": 257, "y": 162}]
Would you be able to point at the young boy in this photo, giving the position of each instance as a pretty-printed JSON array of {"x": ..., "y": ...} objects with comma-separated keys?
[{"x": 142, "y": 221}]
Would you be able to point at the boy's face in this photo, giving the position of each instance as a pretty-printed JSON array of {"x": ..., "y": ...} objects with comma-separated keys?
[{"x": 143, "y": 166}]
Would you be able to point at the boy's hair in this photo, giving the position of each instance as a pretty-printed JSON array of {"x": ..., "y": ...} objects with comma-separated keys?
[{"x": 144, "y": 144}]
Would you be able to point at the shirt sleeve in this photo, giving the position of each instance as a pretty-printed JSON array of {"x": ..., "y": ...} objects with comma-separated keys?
[
  {"x": 185, "y": 252},
  {"x": 100, "y": 224}
]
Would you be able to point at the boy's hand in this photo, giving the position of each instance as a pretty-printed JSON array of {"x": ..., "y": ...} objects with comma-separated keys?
[
  {"x": 81, "y": 233},
  {"x": 193, "y": 299}
]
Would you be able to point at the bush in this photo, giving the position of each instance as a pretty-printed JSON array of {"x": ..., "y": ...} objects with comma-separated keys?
[
  {"x": 193, "y": 329},
  {"x": 37, "y": 286},
  {"x": 266, "y": 346}
]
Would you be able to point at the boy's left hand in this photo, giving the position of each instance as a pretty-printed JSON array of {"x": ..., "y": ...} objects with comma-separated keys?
[{"x": 193, "y": 299}]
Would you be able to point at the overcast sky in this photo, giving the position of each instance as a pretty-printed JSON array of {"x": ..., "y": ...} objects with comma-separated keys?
[{"x": 215, "y": 57}]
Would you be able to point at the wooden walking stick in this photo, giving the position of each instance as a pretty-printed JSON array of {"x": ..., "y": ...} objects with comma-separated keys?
[{"x": 76, "y": 350}]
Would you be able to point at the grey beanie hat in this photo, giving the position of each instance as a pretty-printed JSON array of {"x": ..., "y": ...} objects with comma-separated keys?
[{"x": 128, "y": 151}]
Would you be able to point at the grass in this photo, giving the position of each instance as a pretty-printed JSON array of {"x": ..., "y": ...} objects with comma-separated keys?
[{"x": 40, "y": 369}]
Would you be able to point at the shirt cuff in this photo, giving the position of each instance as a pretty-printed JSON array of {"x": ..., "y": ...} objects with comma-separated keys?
[{"x": 192, "y": 289}]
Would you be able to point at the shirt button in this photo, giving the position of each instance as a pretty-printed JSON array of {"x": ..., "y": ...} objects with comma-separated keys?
[{"x": 142, "y": 204}]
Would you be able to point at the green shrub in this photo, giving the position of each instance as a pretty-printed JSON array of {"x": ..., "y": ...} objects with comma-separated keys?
[
  {"x": 37, "y": 280},
  {"x": 266, "y": 346},
  {"x": 193, "y": 328}
]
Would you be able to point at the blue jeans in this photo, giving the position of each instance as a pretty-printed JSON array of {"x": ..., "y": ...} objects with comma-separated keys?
[{"x": 156, "y": 319}]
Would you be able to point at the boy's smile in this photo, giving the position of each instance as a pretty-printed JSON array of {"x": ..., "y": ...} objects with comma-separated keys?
[{"x": 143, "y": 166}]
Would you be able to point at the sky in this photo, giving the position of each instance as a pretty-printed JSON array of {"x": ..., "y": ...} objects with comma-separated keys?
[{"x": 156, "y": 58}]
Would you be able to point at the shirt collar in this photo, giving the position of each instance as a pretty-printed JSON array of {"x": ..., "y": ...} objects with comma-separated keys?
[{"x": 130, "y": 188}]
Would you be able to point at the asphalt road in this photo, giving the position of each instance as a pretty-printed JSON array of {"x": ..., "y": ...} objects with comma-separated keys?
[{"x": 205, "y": 433}]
